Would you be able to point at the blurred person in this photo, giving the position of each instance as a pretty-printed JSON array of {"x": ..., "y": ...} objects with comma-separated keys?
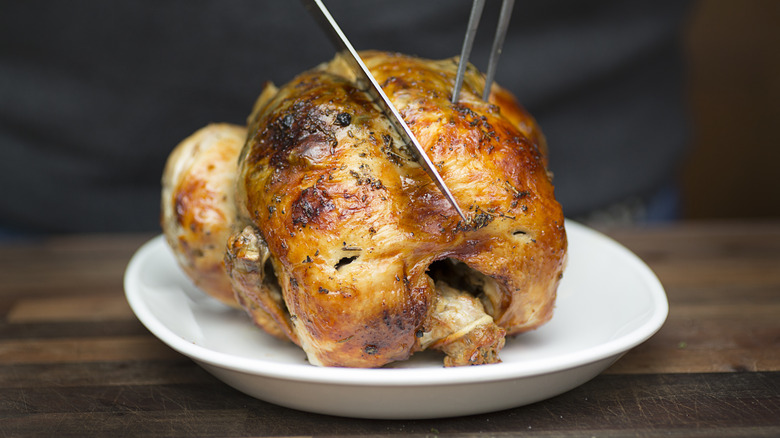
[{"x": 94, "y": 95}]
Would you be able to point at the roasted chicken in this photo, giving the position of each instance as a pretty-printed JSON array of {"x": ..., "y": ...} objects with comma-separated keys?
[{"x": 332, "y": 236}]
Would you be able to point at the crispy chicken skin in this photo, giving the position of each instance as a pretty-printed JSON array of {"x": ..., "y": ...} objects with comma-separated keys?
[{"x": 340, "y": 231}]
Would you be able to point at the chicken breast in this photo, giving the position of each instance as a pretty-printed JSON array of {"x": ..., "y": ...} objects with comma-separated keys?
[{"x": 345, "y": 246}]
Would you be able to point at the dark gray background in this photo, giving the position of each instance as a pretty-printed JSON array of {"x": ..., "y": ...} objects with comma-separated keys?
[{"x": 95, "y": 94}]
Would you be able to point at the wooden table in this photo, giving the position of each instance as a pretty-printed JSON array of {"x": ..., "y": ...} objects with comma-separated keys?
[{"x": 74, "y": 360}]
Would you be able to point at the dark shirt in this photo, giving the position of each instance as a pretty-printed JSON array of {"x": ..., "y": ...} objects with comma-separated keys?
[{"x": 94, "y": 94}]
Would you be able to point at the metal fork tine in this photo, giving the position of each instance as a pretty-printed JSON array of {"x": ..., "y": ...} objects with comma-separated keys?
[
  {"x": 468, "y": 43},
  {"x": 498, "y": 44}
]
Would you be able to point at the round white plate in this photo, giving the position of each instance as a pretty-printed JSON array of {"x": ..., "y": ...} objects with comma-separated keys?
[{"x": 609, "y": 301}]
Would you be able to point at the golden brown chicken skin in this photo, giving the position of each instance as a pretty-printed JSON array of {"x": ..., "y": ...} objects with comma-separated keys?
[{"x": 342, "y": 237}]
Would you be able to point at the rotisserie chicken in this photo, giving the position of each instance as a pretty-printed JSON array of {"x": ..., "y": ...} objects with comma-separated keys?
[{"x": 320, "y": 224}]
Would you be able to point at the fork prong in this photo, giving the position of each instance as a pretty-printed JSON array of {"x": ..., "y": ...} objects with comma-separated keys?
[
  {"x": 468, "y": 43},
  {"x": 498, "y": 44}
]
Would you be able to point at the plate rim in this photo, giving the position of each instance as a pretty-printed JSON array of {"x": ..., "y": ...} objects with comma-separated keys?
[{"x": 383, "y": 377}]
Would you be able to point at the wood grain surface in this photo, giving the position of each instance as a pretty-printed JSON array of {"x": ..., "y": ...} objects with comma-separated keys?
[{"x": 74, "y": 360}]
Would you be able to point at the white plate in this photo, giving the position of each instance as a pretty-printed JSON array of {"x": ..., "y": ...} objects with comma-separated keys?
[{"x": 609, "y": 301}]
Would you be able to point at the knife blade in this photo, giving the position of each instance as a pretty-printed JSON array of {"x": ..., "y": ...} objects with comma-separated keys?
[{"x": 325, "y": 20}]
